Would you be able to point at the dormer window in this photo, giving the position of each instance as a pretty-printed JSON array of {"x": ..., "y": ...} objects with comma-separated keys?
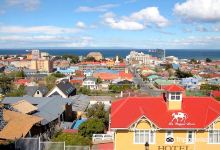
[{"x": 175, "y": 95}]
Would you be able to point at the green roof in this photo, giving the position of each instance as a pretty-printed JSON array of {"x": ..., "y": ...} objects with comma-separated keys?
[
  {"x": 164, "y": 82},
  {"x": 154, "y": 76}
]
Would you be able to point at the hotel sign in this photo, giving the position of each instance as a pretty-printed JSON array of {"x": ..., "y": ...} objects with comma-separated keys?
[
  {"x": 180, "y": 119},
  {"x": 173, "y": 148}
]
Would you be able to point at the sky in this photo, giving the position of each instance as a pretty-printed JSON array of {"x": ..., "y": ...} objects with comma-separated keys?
[{"x": 167, "y": 24}]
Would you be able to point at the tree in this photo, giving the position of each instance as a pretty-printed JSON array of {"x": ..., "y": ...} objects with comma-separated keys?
[
  {"x": 17, "y": 92},
  {"x": 58, "y": 75},
  {"x": 119, "y": 88},
  {"x": 182, "y": 74},
  {"x": 84, "y": 90},
  {"x": 99, "y": 80},
  {"x": 72, "y": 139},
  {"x": 73, "y": 58},
  {"x": 20, "y": 74},
  {"x": 193, "y": 61},
  {"x": 209, "y": 87},
  {"x": 90, "y": 127},
  {"x": 17, "y": 74},
  {"x": 5, "y": 84},
  {"x": 168, "y": 66},
  {"x": 208, "y": 60},
  {"x": 50, "y": 81},
  {"x": 98, "y": 111},
  {"x": 90, "y": 59}
]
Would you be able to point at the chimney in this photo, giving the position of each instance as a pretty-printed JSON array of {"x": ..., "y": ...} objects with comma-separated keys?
[{"x": 69, "y": 112}]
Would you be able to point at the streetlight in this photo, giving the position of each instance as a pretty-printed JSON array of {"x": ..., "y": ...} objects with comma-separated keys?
[{"x": 146, "y": 146}]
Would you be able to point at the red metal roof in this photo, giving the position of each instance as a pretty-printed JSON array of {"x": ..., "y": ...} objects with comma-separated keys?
[
  {"x": 124, "y": 75},
  {"x": 70, "y": 131},
  {"x": 104, "y": 146},
  {"x": 22, "y": 81},
  {"x": 216, "y": 93},
  {"x": 199, "y": 112},
  {"x": 173, "y": 88}
]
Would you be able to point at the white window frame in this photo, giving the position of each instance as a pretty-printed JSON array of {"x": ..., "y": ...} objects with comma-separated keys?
[
  {"x": 151, "y": 141},
  {"x": 175, "y": 94},
  {"x": 166, "y": 136},
  {"x": 193, "y": 137},
  {"x": 214, "y": 130}
]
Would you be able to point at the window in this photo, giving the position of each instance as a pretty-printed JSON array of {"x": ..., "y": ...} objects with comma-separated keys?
[
  {"x": 169, "y": 137},
  {"x": 143, "y": 136},
  {"x": 214, "y": 137},
  {"x": 190, "y": 137},
  {"x": 175, "y": 96}
]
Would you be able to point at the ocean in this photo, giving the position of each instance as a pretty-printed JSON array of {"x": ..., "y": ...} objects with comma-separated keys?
[{"x": 180, "y": 53}]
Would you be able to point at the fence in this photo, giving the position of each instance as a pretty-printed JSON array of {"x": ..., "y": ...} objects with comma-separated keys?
[
  {"x": 198, "y": 93},
  {"x": 37, "y": 144},
  {"x": 100, "y": 138}
]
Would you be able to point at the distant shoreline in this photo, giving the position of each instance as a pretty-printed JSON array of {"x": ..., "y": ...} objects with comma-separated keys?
[{"x": 180, "y": 53}]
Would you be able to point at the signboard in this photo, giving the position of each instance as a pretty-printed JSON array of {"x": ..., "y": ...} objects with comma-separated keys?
[
  {"x": 173, "y": 148},
  {"x": 180, "y": 119}
]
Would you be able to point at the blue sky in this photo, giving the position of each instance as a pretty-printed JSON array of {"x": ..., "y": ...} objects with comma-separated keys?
[{"x": 191, "y": 24}]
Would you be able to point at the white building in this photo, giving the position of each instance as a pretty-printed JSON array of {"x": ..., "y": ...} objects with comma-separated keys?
[
  {"x": 141, "y": 58},
  {"x": 90, "y": 83}
]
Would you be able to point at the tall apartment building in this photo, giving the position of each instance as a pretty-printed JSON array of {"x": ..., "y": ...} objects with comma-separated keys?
[
  {"x": 36, "y": 60},
  {"x": 35, "y": 54},
  {"x": 41, "y": 65},
  {"x": 140, "y": 58}
]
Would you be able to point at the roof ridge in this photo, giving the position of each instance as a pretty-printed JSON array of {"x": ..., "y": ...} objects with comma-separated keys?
[{"x": 122, "y": 103}]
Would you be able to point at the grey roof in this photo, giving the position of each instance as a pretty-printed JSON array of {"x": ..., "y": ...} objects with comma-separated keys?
[
  {"x": 80, "y": 102},
  {"x": 100, "y": 98},
  {"x": 31, "y": 90},
  {"x": 90, "y": 79},
  {"x": 36, "y": 75},
  {"x": 50, "y": 108},
  {"x": 30, "y": 70},
  {"x": 66, "y": 87}
]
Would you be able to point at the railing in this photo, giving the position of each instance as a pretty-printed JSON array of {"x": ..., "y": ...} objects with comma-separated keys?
[
  {"x": 101, "y": 138},
  {"x": 37, "y": 144}
]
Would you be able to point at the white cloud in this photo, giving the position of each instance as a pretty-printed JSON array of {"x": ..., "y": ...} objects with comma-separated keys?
[
  {"x": 80, "y": 24},
  {"x": 100, "y": 8},
  {"x": 28, "y": 5},
  {"x": 150, "y": 15},
  {"x": 137, "y": 20},
  {"x": 124, "y": 24},
  {"x": 10, "y": 41},
  {"x": 198, "y": 10},
  {"x": 37, "y": 30}
]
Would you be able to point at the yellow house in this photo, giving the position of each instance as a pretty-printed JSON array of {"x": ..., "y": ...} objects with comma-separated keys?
[
  {"x": 170, "y": 122},
  {"x": 110, "y": 63}
]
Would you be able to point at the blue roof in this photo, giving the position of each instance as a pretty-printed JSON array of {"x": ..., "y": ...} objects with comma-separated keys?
[
  {"x": 175, "y": 66},
  {"x": 107, "y": 71},
  {"x": 67, "y": 70},
  {"x": 78, "y": 123}
]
